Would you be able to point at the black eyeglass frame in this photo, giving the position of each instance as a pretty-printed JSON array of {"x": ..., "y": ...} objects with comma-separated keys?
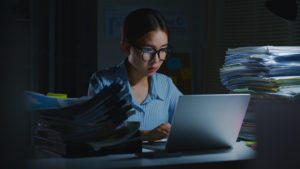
[{"x": 168, "y": 50}]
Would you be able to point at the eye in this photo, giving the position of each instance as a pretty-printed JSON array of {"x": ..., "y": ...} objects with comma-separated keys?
[
  {"x": 163, "y": 49},
  {"x": 148, "y": 50}
]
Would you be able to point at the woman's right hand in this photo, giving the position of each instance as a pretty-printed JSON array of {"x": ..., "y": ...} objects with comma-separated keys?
[{"x": 160, "y": 132}]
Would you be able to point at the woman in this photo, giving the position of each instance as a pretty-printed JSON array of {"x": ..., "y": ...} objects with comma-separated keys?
[{"x": 144, "y": 41}]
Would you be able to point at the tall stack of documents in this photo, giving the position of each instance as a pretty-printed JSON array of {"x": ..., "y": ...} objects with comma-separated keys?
[
  {"x": 263, "y": 69},
  {"x": 87, "y": 127}
]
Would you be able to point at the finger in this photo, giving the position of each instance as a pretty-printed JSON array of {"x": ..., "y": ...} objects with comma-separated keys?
[
  {"x": 155, "y": 135},
  {"x": 168, "y": 127},
  {"x": 163, "y": 132},
  {"x": 165, "y": 126}
]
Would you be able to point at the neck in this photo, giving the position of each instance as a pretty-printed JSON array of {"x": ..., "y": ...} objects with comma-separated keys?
[{"x": 134, "y": 77}]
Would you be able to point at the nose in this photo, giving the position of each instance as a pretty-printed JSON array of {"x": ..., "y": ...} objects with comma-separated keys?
[{"x": 155, "y": 57}]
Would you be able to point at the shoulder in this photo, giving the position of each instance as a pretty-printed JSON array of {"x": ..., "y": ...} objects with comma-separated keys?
[
  {"x": 164, "y": 83},
  {"x": 165, "y": 87},
  {"x": 162, "y": 79},
  {"x": 107, "y": 75}
]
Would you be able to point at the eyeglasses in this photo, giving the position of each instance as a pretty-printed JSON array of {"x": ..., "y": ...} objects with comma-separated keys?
[{"x": 149, "y": 53}]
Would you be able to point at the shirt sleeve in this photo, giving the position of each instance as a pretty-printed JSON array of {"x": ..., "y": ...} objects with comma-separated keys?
[
  {"x": 174, "y": 96},
  {"x": 95, "y": 85}
]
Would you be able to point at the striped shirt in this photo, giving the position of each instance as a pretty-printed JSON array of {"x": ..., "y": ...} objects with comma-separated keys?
[{"x": 157, "y": 108}]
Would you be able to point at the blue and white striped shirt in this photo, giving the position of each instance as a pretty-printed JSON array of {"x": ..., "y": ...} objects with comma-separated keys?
[{"x": 159, "y": 105}]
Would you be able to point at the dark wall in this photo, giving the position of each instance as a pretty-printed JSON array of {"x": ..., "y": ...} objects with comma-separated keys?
[
  {"x": 13, "y": 120},
  {"x": 25, "y": 52},
  {"x": 67, "y": 38}
]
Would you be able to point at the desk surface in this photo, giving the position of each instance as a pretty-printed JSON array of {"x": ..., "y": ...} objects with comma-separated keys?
[{"x": 240, "y": 152}]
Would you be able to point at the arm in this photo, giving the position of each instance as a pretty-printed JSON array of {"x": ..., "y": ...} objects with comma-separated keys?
[
  {"x": 174, "y": 96},
  {"x": 95, "y": 85},
  {"x": 160, "y": 132}
]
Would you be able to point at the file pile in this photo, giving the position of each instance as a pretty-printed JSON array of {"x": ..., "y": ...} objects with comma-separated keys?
[
  {"x": 38, "y": 101},
  {"x": 96, "y": 123},
  {"x": 263, "y": 69}
]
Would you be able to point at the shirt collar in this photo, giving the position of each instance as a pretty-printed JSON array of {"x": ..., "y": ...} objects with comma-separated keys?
[{"x": 155, "y": 90}]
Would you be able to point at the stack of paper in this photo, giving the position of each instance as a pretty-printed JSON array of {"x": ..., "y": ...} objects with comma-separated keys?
[
  {"x": 98, "y": 121},
  {"x": 267, "y": 69},
  {"x": 38, "y": 101}
]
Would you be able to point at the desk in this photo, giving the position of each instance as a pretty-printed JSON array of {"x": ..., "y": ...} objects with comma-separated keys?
[{"x": 236, "y": 157}]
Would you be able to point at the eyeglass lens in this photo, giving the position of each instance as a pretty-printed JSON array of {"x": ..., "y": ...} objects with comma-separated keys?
[{"x": 150, "y": 54}]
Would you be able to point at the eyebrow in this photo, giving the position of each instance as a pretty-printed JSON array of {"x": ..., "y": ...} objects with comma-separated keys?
[{"x": 148, "y": 45}]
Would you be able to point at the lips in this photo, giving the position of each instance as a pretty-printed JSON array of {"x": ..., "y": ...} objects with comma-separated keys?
[{"x": 152, "y": 69}]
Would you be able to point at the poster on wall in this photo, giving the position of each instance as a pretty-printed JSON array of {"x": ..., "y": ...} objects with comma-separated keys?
[
  {"x": 115, "y": 14},
  {"x": 178, "y": 68}
]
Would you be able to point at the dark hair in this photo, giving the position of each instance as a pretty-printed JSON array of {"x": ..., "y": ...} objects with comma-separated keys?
[{"x": 141, "y": 21}]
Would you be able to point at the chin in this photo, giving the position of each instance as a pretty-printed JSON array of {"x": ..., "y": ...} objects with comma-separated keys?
[{"x": 150, "y": 74}]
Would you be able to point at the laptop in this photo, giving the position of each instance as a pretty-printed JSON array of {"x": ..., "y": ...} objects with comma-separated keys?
[{"x": 202, "y": 122}]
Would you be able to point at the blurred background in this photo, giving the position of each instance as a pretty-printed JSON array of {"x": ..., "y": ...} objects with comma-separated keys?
[{"x": 62, "y": 42}]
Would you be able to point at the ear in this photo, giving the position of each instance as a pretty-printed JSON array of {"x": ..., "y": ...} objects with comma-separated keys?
[{"x": 125, "y": 47}]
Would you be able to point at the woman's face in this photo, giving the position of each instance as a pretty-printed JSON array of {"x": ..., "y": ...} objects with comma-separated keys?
[{"x": 152, "y": 40}]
